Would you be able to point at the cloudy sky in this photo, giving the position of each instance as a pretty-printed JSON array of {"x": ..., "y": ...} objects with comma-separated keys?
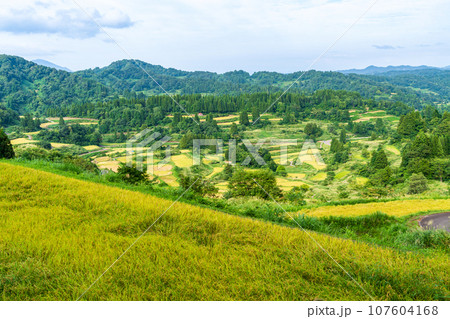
[{"x": 216, "y": 35}]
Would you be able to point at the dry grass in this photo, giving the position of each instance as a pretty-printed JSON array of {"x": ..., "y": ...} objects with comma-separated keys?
[
  {"x": 57, "y": 235},
  {"x": 394, "y": 208},
  {"x": 392, "y": 149},
  {"x": 296, "y": 175},
  {"x": 20, "y": 141},
  {"x": 319, "y": 176},
  {"x": 361, "y": 180},
  {"x": 91, "y": 148},
  {"x": 59, "y": 145},
  {"x": 182, "y": 161}
]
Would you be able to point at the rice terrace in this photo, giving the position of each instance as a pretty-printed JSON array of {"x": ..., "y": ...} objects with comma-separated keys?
[{"x": 225, "y": 151}]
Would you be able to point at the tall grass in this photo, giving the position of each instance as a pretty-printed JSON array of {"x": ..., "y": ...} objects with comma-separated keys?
[{"x": 58, "y": 234}]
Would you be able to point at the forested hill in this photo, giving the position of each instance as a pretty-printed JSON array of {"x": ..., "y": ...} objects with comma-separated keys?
[
  {"x": 26, "y": 86},
  {"x": 129, "y": 75}
]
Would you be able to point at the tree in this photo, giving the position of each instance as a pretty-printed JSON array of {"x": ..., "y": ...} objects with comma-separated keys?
[
  {"x": 176, "y": 119},
  {"x": 417, "y": 184},
  {"x": 6, "y": 149},
  {"x": 243, "y": 118},
  {"x": 61, "y": 121},
  {"x": 410, "y": 124},
  {"x": 227, "y": 172},
  {"x": 343, "y": 136},
  {"x": 233, "y": 130},
  {"x": 255, "y": 114},
  {"x": 336, "y": 146},
  {"x": 297, "y": 195},
  {"x": 96, "y": 138},
  {"x": 131, "y": 175},
  {"x": 379, "y": 160},
  {"x": 379, "y": 126},
  {"x": 242, "y": 183},
  {"x": 198, "y": 185},
  {"x": 313, "y": 131},
  {"x": 281, "y": 170}
]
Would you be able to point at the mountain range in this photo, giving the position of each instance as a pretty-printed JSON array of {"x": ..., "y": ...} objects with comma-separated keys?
[
  {"x": 373, "y": 70},
  {"x": 50, "y": 65},
  {"x": 28, "y": 86}
]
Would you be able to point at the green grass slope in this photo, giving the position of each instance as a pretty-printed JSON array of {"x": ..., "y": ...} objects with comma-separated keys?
[{"x": 58, "y": 235}]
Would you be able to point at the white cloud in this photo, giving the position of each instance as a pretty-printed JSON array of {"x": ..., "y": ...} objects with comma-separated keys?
[
  {"x": 47, "y": 18},
  {"x": 219, "y": 35}
]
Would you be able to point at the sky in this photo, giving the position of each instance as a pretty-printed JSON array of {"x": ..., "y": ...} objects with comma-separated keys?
[{"x": 211, "y": 35}]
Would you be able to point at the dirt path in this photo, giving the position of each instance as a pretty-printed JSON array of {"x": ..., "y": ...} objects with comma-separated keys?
[{"x": 436, "y": 221}]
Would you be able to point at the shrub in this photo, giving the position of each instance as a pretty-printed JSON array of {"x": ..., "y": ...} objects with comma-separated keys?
[
  {"x": 198, "y": 185},
  {"x": 417, "y": 184},
  {"x": 242, "y": 183},
  {"x": 131, "y": 175},
  {"x": 281, "y": 170}
]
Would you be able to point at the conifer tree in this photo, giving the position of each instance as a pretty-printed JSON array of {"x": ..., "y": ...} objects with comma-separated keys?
[{"x": 243, "y": 118}]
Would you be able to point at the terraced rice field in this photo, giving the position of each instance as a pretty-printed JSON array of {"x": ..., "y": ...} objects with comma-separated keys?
[
  {"x": 394, "y": 208},
  {"x": 319, "y": 176},
  {"x": 182, "y": 160},
  {"x": 20, "y": 141}
]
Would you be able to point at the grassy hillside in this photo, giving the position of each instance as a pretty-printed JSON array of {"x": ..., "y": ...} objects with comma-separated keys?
[{"x": 58, "y": 234}]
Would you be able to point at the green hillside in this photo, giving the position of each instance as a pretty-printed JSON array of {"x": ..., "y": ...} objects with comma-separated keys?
[{"x": 26, "y": 86}]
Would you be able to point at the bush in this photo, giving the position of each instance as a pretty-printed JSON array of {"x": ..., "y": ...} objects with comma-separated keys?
[
  {"x": 242, "y": 183},
  {"x": 281, "y": 170},
  {"x": 198, "y": 185},
  {"x": 297, "y": 195},
  {"x": 417, "y": 184},
  {"x": 132, "y": 175}
]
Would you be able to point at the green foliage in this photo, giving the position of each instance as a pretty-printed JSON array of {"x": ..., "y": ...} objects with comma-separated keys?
[
  {"x": 198, "y": 185},
  {"x": 297, "y": 195},
  {"x": 72, "y": 134},
  {"x": 72, "y": 163},
  {"x": 45, "y": 145},
  {"x": 313, "y": 131},
  {"x": 260, "y": 183},
  {"x": 6, "y": 149},
  {"x": 281, "y": 170},
  {"x": 8, "y": 116},
  {"x": 379, "y": 228},
  {"x": 28, "y": 124},
  {"x": 27, "y": 86},
  {"x": 343, "y": 136},
  {"x": 132, "y": 175},
  {"x": 243, "y": 118},
  {"x": 378, "y": 161},
  {"x": 255, "y": 114},
  {"x": 410, "y": 124},
  {"x": 417, "y": 184}
]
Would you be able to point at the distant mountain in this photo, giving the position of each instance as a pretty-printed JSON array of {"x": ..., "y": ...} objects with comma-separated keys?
[
  {"x": 128, "y": 76},
  {"x": 50, "y": 65},
  {"x": 373, "y": 70},
  {"x": 27, "y": 86}
]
